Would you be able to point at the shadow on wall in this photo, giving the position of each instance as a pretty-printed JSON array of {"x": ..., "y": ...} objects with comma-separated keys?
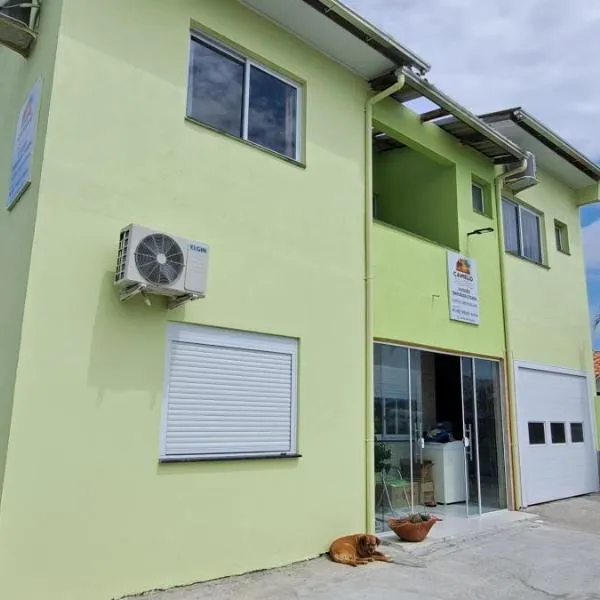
[{"x": 128, "y": 339}]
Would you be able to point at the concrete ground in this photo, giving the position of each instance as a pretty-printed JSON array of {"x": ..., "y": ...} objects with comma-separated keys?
[{"x": 553, "y": 554}]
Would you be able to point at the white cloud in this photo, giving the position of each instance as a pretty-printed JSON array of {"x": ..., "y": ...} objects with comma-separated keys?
[
  {"x": 539, "y": 54},
  {"x": 591, "y": 246}
]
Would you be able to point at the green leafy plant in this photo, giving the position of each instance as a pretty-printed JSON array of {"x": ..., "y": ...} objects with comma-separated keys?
[{"x": 382, "y": 457}]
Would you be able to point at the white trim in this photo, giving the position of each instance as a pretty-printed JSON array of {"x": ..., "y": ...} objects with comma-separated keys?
[
  {"x": 248, "y": 64},
  {"x": 246, "y": 101},
  {"x": 191, "y": 333}
]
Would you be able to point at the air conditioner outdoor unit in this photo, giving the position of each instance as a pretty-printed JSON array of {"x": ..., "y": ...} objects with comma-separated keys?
[
  {"x": 153, "y": 262},
  {"x": 18, "y": 24},
  {"x": 522, "y": 181}
]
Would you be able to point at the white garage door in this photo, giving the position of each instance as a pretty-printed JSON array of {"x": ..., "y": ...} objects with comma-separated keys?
[{"x": 556, "y": 439}]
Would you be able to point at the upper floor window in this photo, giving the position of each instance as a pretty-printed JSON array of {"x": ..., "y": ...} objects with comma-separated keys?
[
  {"x": 522, "y": 231},
  {"x": 478, "y": 198},
  {"x": 232, "y": 93},
  {"x": 561, "y": 234}
]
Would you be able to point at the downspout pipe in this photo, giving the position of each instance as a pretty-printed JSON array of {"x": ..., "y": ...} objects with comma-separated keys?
[
  {"x": 368, "y": 268},
  {"x": 499, "y": 181}
]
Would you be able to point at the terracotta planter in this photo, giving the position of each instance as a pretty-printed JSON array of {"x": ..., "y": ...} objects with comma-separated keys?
[{"x": 411, "y": 532}]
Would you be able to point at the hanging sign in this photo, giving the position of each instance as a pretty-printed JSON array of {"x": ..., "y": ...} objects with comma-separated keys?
[{"x": 463, "y": 289}]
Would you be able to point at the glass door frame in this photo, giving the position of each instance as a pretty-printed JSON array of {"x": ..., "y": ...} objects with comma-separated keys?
[
  {"x": 503, "y": 474},
  {"x": 416, "y": 439}
]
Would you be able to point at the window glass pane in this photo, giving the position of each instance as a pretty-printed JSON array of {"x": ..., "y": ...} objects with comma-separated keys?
[
  {"x": 510, "y": 216},
  {"x": 537, "y": 435},
  {"x": 477, "y": 195},
  {"x": 216, "y": 89},
  {"x": 557, "y": 233},
  {"x": 562, "y": 239},
  {"x": 391, "y": 387},
  {"x": 557, "y": 433},
  {"x": 530, "y": 225},
  {"x": 272, "y": 113},
  {"x": 576, "y": 433}
]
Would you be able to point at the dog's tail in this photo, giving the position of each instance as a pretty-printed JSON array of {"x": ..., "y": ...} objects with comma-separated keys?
[{"x": 344, "y": 559}]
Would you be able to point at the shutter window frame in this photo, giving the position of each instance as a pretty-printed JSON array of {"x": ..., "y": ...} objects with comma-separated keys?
[{"x": 201, "y": 341}]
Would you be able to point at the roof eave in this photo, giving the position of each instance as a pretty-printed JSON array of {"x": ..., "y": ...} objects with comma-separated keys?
[
  {"x": 369, "y": 34},
  {"x": 550, "y": 139},
  {"x": 462, "y": 114}
]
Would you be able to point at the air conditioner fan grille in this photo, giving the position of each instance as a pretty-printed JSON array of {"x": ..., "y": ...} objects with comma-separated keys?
[{"x": 159, "y": 259}]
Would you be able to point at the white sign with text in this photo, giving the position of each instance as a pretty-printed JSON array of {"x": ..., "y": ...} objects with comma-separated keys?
[{"x": 463, "y": 289}]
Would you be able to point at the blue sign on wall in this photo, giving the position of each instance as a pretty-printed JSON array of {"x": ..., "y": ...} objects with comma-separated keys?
[{"x": 20, "y": 173}]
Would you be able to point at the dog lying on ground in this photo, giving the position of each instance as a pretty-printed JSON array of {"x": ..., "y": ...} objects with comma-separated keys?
[{"x": 358, "y": 549}]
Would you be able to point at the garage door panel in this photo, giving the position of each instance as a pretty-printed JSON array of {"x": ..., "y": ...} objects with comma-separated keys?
[{"x": 552, "y": 471}]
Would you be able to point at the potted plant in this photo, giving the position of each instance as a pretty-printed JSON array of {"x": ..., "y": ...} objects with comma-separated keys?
[{"x": 414, "y": 527}]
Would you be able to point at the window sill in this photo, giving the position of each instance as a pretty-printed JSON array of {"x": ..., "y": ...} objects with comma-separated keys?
[
  {"x": 228, "y": 458},
  {"x": 483, "y": 214},
  {"x": 565, "y": 252},
  {"x": 282, "y": 157},
  {"x": 529, "y": 260}
]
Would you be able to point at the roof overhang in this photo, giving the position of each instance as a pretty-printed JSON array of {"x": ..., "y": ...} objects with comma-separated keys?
[
  {"x": 341, "y": 34},
  {"x": 552, "y": 153},
  {"x": 456, "y": 120}
]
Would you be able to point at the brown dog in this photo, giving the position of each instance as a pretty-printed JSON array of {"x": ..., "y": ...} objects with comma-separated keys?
[{"x": 358, "y": 549}]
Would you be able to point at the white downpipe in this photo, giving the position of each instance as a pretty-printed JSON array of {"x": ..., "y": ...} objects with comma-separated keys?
[
  {"x": 509, "y": 370},
  {"x": 368, "y": 225}
]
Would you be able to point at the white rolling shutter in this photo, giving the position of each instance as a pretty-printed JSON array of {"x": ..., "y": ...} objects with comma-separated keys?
[{"x": 228, "y": 394}]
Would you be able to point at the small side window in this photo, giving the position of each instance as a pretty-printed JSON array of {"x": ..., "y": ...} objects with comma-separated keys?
[
  {"x": 557, "y": 433},
  {"x": 478, "y": 198},
  {"x": 537, "y": 434},
  {"x": 561, "y": 233},
  {"x": 576, "y": 433}
]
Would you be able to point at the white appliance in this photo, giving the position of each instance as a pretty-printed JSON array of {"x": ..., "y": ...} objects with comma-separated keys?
[
  {"x": 448, "y": 471},
  {"x": 158, "y": 263}
]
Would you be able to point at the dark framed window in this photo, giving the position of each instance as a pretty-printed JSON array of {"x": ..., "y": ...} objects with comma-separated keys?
[
  {"x": 557, "y": 433},
  {"x": 576, "y": 433},
  {"x": 561, "y": 235},
  {"x": 478, "y": 198},
  {"x": 522, "y": 231},
  {"x": 238, "y": 96},
  {"x": 537, "y": 433}
]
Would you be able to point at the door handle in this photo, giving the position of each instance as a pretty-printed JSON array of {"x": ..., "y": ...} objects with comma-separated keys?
[{"x": 467, "y": 441}]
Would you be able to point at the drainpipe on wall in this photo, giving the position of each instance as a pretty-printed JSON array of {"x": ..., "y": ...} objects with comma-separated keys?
[
  {"x": 368, "y": 224},
  {"x": 510, "y": 380}
]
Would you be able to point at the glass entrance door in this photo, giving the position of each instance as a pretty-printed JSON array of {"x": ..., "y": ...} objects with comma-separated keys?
[
  {"x": 485, "y": 479},
  {"x": 473, "y": 495}
]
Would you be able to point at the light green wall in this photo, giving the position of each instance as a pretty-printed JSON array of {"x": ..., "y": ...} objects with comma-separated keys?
[
  {"x": 88, "y": 511},
  {"x": 17, "y": 78},
  {"x": 410, "y": 273},
  {"x": 548, "y": 310},
  {"x": 417, "y": 194}
]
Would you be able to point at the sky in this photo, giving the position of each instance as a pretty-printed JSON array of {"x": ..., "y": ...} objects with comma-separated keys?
[{"x": 538, "y": 54}]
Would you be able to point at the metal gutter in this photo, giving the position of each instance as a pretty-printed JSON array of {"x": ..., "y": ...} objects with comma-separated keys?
[
  {"x": 369, "y": 34},
  {"x": 424, "y": 88},
  {"x": 550, "y": 139}
]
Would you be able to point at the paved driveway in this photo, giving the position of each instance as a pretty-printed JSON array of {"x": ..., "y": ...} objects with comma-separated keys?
[{"x": 553, "y": 557}]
